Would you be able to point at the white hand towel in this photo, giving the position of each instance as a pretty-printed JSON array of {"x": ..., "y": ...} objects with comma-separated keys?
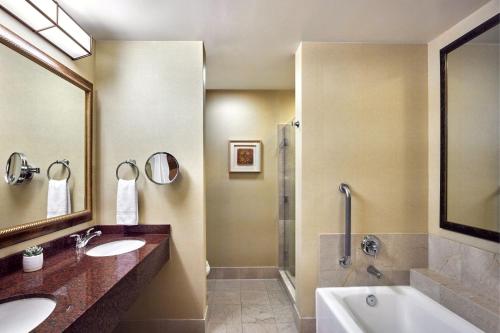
[
  {"x": 161, "y": 169},
  {"x": 126, "y": 203},
  {"x": 58, "y": 199}
]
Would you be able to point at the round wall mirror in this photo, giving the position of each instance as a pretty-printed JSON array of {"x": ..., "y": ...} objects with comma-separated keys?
[
  {"x": 162, "y": 168},
  {"x": 18, "y": 170}
]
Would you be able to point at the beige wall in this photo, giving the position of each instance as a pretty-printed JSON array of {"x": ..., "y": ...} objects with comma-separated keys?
[
  {"x": 467, "y": 24},
  {"x": 84, "y": 67},
  {"x": 473, "y": 135},
  {"x": 363, "y": 121},
  {"x": 149, "y": 99},
  {"x": 242, "y": 209}
]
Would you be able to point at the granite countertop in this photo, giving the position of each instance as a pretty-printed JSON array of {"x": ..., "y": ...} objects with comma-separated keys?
[{"x": 78, "y": 282}]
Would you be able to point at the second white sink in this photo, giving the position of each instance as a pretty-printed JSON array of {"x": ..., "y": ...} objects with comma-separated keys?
[
  {"x": 115, "y": 248},
  {"x": 23, "y": 315}
]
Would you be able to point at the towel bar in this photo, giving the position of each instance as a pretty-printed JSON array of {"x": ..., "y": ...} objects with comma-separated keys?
[
  {"x": 63, "y": 162},
  {"x": 133, "y": 164}
]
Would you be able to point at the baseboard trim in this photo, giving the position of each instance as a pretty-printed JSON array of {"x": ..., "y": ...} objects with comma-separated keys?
[
  {"x": 308, "y": 325},
  {"x": 265, "y": 272},
  {"x": 304, "y": 324},
  {"x": 290, "y": 289},
  {"x": 161, "y": 326}
]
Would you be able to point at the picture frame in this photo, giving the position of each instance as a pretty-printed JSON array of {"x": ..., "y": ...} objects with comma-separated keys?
[{"x": 245, "y": 156}]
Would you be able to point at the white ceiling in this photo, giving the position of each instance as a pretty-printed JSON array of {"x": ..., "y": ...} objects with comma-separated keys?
[{"x": 250, "y": 44}]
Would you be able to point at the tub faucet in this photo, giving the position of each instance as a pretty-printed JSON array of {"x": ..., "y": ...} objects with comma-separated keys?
[
  {"x": 81, "y": 241},
  {"x": 374, "y": 271}
]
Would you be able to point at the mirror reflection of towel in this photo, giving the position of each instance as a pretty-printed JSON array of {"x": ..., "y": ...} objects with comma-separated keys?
[
  {"x": 127, "y": 210},
  {"x": 160, "y": 169},
  {"x": 58, "y": 199}
]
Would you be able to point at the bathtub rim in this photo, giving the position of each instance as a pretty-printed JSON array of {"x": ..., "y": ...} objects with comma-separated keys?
[{"x": 348, "y": 320}]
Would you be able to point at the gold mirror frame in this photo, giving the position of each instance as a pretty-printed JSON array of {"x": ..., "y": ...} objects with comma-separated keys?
[{"x": 30, "y": 230}]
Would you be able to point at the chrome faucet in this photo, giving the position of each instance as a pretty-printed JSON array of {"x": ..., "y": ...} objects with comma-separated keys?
[
  {"x": 374, "y": 271},
  {"x": 370, "y": 245},
  {"x": 81, "y": 241}
]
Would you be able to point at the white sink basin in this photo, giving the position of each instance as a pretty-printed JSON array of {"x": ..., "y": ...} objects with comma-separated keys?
[
  {"x": 115, "y": 248},
  {"x": 23, "y": 315}
]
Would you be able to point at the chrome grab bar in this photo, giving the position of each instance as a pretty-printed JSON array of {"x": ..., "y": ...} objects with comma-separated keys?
[{"x": 345, "y": 261}]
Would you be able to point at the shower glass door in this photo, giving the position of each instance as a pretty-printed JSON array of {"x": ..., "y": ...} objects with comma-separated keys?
[{"x": 286, "y": 135}]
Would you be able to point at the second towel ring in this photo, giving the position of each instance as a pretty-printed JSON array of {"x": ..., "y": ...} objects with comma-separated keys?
[
  {"x": 133, "y": 164},
  {"x": 63, "y": 162}
]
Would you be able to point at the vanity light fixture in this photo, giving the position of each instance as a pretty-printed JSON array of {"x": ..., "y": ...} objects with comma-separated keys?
[{"x": 49, "y": 20}]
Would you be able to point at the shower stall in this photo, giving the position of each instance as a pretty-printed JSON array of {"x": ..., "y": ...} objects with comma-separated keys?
[{"x": 286, "y": 179}]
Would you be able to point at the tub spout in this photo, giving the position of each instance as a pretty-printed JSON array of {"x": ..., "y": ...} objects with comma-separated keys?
[{"x": 374, "y": 271}]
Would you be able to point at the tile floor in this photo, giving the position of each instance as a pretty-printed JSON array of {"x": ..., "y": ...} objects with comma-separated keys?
[{"x": 249, "y": 306}]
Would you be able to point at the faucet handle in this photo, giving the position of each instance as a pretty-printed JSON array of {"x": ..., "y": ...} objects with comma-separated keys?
[
  {"x": 370, "y": 245},
  {"x": 89, "y": 231},
  {"x": 77, "y": 237}
]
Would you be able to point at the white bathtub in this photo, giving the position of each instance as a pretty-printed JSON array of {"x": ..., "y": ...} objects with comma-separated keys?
[{"x": 399, "y": 309}]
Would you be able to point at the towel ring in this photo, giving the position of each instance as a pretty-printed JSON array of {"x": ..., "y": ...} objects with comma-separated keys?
[
  {"x": 133, "y": 164},
  {"x": 63, "y": 162}
]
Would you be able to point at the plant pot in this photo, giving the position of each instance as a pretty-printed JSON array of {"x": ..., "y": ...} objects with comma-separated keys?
[{"x": 31, "y": 264}]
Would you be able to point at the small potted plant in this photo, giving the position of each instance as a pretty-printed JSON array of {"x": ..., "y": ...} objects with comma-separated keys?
[{"x": 33, "y": 258}]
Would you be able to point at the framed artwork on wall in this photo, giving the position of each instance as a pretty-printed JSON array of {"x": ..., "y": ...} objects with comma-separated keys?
[{"x": 245, "y": 156}]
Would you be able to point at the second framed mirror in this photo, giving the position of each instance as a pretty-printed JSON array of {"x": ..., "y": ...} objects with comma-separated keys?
[{"x": 470, "y": 132}]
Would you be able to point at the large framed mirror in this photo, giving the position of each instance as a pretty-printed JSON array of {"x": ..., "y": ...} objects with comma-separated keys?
[
  {"x": 470, "y": 133},
  {"x": 46, "y": 112}
]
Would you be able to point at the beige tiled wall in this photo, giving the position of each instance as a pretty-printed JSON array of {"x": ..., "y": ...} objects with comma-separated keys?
[
  {"x": 473, "y": 267},
  {"x": 478, "y": 309},
  {"x": 398, "y": 254},
  {"x": 463, "y": 278}
]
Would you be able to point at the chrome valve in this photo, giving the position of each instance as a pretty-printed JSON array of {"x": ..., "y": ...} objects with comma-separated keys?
[{"x": 370, "y": 245}]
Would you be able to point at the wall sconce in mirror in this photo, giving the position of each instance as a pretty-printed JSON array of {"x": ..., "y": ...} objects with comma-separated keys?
[
  {"x": 49, "y": 20},
  {"x": 18, "y": 170},
  {"x": 162, "y": 168},
  {"x": 64, "y": 163}
]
